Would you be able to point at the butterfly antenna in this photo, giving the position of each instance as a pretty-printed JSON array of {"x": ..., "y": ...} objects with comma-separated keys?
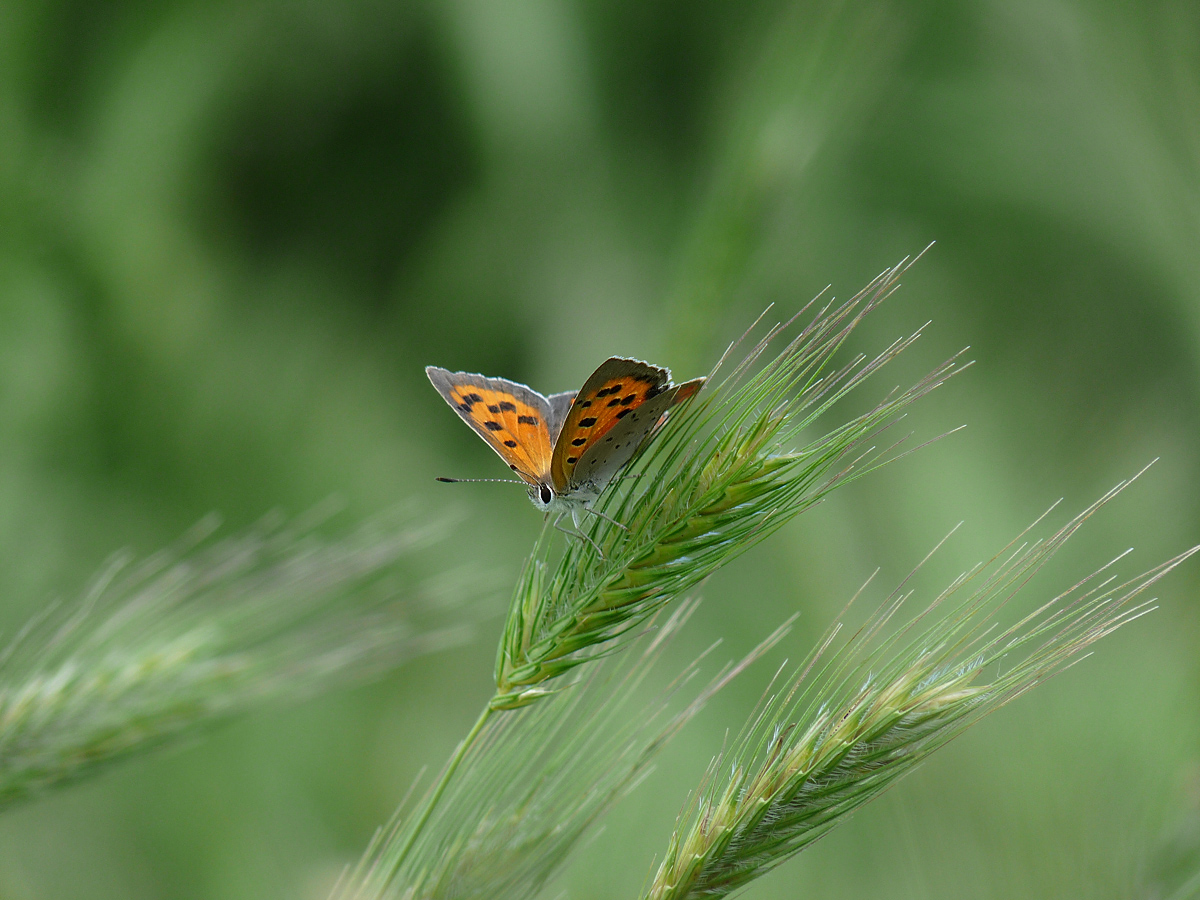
[{"x": 479, "y": 480}]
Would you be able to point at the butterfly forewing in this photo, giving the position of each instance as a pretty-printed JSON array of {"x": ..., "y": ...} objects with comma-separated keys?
[
  {"x": 606, "y": 456},
  {"x": 613, "y": 392},
  {"x": 514, "y": 419}
]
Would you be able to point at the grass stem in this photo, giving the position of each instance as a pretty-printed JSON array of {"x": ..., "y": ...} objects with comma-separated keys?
[{"x": 447, "y": 774}]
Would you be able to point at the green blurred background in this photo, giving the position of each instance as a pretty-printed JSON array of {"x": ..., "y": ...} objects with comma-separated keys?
[{"x": 233, "y": 234}]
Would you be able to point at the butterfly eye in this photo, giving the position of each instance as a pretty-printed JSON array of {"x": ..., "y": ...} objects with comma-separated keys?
[{"x": 545, "y": 493}]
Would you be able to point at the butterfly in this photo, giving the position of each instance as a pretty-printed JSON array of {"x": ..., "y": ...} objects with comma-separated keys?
[{"x": 567, "y": 447}]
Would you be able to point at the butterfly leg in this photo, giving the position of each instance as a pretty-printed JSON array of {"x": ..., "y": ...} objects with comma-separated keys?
[
  {"x": 579, "y": 534},
  {"x": 596, "y": 512}
]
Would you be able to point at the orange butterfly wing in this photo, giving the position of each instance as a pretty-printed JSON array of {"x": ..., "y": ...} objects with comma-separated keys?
[
  {"x": 514, "y": 420},
  {"x": 614, "y": 391},
  {"x": 625, "y": 440}
]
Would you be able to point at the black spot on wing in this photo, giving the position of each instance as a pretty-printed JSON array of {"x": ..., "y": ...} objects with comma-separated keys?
[
  {"x": 579, "y": 442},
  {"x": 527, "y": 420},
  {"x": 510, "y": 443},
  {"x": 587, "y": 423},
  {"x": 492, "y": 426}
]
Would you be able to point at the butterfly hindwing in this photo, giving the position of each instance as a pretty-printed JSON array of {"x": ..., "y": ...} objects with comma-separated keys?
[
  {"x": 681, "y": 394},
  {"x": 603, "y": 458},
  {"x": 514, "y": 420}
]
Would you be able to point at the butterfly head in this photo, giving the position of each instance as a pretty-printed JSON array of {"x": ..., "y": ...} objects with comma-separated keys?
[
  {"x": 548, "y": 500},
  {"x": 542, "y": 496}
]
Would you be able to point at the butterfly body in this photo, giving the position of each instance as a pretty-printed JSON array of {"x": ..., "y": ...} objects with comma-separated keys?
[{"x": 566, "y": 447}]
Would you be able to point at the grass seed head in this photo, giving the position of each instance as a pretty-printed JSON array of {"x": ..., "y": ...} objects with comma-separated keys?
[{"x": 722, "y": 477}]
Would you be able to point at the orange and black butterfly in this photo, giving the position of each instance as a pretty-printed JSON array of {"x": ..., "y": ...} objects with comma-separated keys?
[{"x": 566, "y": 447}]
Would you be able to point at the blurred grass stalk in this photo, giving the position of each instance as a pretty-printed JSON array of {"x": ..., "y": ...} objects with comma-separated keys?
[
  {"x": 538, "y": 777},
  {"x": 204, "y": 630}
]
